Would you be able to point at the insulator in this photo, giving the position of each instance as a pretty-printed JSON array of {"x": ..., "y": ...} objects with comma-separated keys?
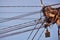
[
  {"x": 49, "y": 21},
  {"x": 45, "y": 25},
  {"x": 47, "y": 33}
]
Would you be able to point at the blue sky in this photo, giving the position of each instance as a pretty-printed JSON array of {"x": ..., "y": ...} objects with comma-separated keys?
[{"x": 24, "y": 36}]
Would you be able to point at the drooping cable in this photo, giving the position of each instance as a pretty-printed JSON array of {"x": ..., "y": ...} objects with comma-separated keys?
[
  {"x": 54, "y": 4},
  {"x": 19, "y": 6},
  {"x": 20, "y": 26},
  {"x": 31, "y": 6},
  {"x": 34, "y": 27},
  {"x": 41, "y": 34},
  {"x": 37, "y": 31},
  {"x": 6, "y": 35},
  {"x": 23, "y": 18},
  {"x": 18, "y": 17},
  {"x": 32, "y": 30}
]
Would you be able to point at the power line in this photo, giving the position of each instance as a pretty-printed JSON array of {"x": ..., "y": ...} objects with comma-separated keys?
[
  {"x": 20, "y": 26},
  {"x": 23, "y": 18},
  {"x": 21, "y": 12},
  {"x": 1, "y": 18},
  {"x": 41, "y": 34},
  {"x": 37, "y": 31},
  {"x": 16, "y": 27},
  {"x": 18, "y": 17},
  {"x": 17, "y": 33},
  {"x": 32, "y": 31},
  {"x": 17, "y": 12},
  {"x": 20, "y": 6},
  {"x": 54, "y": 4},
  {"x": 30, "y": 6}
]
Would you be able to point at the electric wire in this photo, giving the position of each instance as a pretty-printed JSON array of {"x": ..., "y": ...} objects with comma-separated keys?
[
  {"x": 17, "y": 33},
  {"x": 14, "y": 27},
  {"x": 31, "y": 6},
  {"x": 34, "y": 27},
  {"x": 4, "y": 20},
  {"x": 54, "y": 4},
  {"x": 37, "y": 31},
  {"x": 32, "y": 30},
  {"x": 18, "y": 17},
  {"x": 20, "y": 26},
  {"x": 25, "y": 31},
  {"x": 18, "y": 12},
  {"x": 19, "y": 6},
  {"x": 14, "y": 12},
  {"x": 41, "y": 34},
  {"x": 23, "y": 18},
  {"x": 8, "y": 19}
]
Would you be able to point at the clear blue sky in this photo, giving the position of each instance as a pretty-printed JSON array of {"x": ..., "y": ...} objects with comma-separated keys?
[{"x": 24, "y": 36}]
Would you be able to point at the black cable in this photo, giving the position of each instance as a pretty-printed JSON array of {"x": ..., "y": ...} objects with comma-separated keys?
[
  {"x": 18, "y": 17},
  {"x": 37, "y": 31},
  {"x": 15, "y": 27},
  {"x": 17, "y": 33},
  {"x": 14, "y": 12},
  {"x": 23, "y": 18},
  {"x": 41, "y": 34},
  {"x": 17, "y": 12},
  {"x": 54, "y": 4},
  {"x": 30, "y": 6},
  {"x": 32, "y": 30},
  {"x": 20, "y": 26},
  {"x": 19, "y": 6}
]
